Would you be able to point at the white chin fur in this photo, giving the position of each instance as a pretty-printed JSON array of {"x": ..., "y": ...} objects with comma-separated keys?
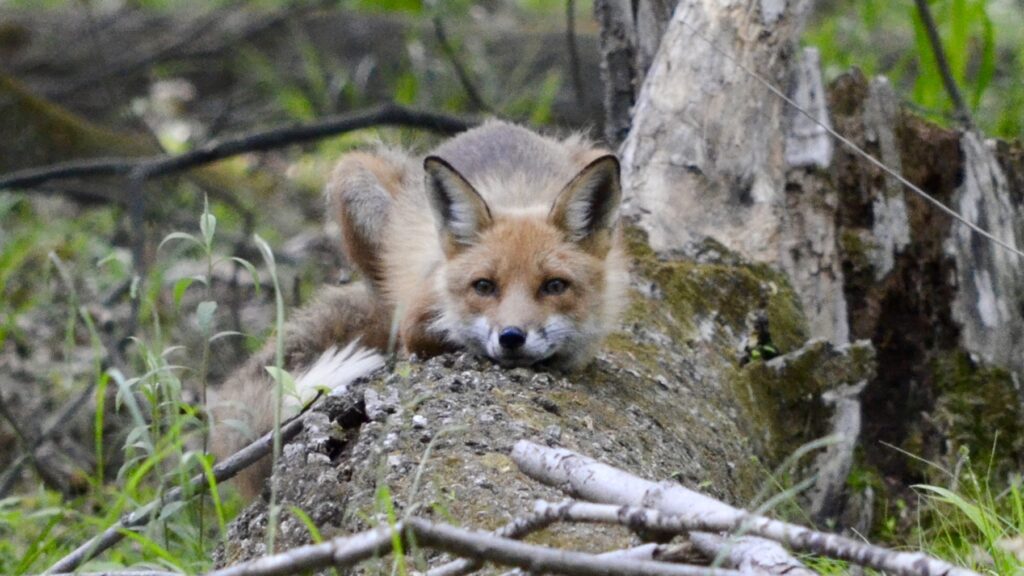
[{"x": 334, "y": 369}]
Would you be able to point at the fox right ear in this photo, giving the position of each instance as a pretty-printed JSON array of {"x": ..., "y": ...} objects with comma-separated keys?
[{"x": 460, "y": 211}]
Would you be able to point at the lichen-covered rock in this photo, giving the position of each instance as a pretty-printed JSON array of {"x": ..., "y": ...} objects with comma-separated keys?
[{"x": 667, "y": 399}]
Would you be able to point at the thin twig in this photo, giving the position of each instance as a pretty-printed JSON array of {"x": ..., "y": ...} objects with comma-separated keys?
[
  {"x": 58, "y": 424},
  {"x": 963, "y": 113},
  {"x": 460, "y": 70},
  {"x": 218, "y": 149},
  {"x": 339, "y": 552},
  {"x": 540, "y": 559},
  {"x": 517, "y": 529},
  {"x": 168, "y": 49}
]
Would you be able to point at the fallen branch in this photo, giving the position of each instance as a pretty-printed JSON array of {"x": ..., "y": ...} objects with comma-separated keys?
[
  {"x": 671, "y": 507},
  {"x": 339, "y": 552},
  {"x": 517, "y": 529},
  {"x": 347, "y": 551},
  {"x": 540, "y": 559},
  {"x": 60, "y": 423},
  {"x": 161, "y": 165}
]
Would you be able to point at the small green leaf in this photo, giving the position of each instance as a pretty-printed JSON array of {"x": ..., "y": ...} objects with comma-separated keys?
[
  {"x": 179, "y": 236},
  {"x": 252, "y": 272},
  {"x": 284, "y": 378},
  {"x": 204, "y": 315},
  {"x": 225, "y": 334},
  {"x": 267, "y": 253},
  {"x": 207, "y": 224},
  {"x": 179, "y": 289}
]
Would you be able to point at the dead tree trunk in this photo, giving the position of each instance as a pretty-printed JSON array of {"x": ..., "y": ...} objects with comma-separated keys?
[{"x": 713, "y": 153}]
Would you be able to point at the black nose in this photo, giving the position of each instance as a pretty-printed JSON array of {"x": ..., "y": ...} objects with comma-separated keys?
[{"x": 512, "y": 338}]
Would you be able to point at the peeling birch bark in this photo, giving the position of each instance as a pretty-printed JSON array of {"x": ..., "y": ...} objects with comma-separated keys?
[
  {"x": 808, "y": 144},
  {"x": 591, "y": 480},
  {"x": 890, "y": 232},
  {"x": 989, "y": 301},
  {"x": 672, "y": 507},
  {"x": 704, "y": 155},
  {"x": 834, "y": 464}
]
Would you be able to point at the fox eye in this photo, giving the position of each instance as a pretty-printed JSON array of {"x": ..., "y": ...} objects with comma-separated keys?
[
  {"x": 484, "y": 287},
  {"x": 554, "y": 287}
]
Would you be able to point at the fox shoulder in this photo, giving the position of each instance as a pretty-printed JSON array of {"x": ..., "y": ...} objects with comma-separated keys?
[{"x": 360, "y": 194}]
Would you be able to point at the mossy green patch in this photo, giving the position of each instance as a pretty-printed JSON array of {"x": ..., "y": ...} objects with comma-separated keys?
[
  {"x": 783, "y": 397},
  {"x": 979, "y": 408}
]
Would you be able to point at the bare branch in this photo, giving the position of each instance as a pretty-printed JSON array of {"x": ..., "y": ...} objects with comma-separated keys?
[
  {"x": 460, "y": 70},
  {"x": 687, "y": 510},
  {"x": 339, "y": 552},
  {"x": 963, "y": 113},
  {"x": 59, "y": 423},
  {"x": 162, "y": 165},
  {"x": 517, "y": 529},
  {"x": 540, "y": 559},
  {"x": 347, "y": 551}
]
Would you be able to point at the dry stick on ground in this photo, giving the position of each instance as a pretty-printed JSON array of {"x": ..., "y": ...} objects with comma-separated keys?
[
  {"x": 59, "y": 423},
  {"x": 517, "y": 529},
  {"x": 963, "y": 113},
  {"x": 484, "y": 547},
  {"x": 592, "y": 480},
  {"x": 539, "y": 559},
  {"x": 460, "y": 70},
  {"x": 218, "y": 149},
  {"x": 197, "y": 485}
]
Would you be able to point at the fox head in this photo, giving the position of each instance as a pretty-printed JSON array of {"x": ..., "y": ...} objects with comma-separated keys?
[{"x": 528, "y": 286}]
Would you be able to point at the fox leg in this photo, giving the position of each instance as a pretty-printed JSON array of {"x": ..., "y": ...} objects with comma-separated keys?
[{"x": 360, "y": 194}]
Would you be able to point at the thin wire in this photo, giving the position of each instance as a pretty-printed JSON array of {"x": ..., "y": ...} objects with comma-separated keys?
[{"x": 956, "y": 215}]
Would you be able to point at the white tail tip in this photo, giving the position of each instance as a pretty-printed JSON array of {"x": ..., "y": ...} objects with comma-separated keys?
[{"x": 335, "y": 369}]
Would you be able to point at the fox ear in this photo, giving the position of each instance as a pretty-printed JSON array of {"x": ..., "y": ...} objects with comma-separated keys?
[
  {"x": 460, "y": 211},
  {"x": 588, "y": 208}
]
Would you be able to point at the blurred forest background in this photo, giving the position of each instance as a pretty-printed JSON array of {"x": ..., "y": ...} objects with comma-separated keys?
[{"x": 86, "y": 79}]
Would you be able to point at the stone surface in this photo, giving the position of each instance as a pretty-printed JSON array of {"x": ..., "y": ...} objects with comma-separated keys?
[{"x": 667, "y": 399}]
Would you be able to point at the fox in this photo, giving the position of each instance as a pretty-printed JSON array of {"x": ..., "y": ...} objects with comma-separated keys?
[{"x": 501, "y": 242}]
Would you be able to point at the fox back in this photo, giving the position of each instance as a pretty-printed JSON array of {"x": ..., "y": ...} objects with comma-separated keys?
[{"x": 505, "y": 243}]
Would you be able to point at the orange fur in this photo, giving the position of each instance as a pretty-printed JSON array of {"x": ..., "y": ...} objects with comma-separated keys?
[{"x": 498, "y": 203}]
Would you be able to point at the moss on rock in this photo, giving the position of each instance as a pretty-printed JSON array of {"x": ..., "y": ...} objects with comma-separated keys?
[{"x": 979, "y": 409}]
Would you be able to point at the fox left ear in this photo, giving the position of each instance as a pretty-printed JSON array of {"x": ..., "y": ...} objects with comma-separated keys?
[{"x": 588, "y": 208}]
